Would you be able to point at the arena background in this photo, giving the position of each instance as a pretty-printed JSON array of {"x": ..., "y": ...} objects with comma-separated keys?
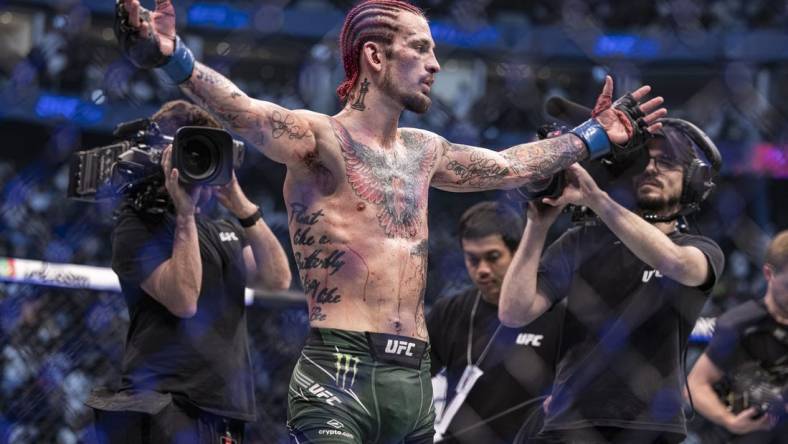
[{"x": 64, "y": 85}]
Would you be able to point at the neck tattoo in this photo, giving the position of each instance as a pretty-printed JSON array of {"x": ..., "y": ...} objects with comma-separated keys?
[{"x": 359, "y": 103}]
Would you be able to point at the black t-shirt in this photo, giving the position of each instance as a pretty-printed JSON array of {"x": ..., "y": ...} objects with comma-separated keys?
[
  {"x": 204, "y": 359},
  {"x": 518, "y": 366},
  {"x": 747, "y": 333},
  {"x": 625, "y": 327}
]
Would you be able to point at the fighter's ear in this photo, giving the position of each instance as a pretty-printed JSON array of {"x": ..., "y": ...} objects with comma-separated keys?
[{"x": 372, "y": 53}]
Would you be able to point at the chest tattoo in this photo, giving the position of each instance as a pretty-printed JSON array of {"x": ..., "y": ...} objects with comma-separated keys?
[{"x": 396, "y": 184}]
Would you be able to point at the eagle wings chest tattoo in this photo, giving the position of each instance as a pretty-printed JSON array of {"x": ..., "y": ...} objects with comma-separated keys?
[{"x": 396, "y": 184}]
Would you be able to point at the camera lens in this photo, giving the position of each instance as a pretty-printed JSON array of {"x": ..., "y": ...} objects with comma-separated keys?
[{"x": 200, "y": 158}]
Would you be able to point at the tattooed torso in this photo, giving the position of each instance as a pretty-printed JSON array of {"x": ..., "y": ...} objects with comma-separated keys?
[
  {"x": 358, "y": 227},
  {"x": 357, "y": 211}
]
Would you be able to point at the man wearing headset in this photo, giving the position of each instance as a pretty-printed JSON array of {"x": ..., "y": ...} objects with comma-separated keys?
[{"x": 634, "y": 286}]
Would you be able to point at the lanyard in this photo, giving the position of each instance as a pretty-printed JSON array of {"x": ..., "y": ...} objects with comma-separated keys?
[{"x": 470, "y": 334}]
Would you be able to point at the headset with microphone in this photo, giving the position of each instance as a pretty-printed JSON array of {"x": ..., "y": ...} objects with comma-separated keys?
[{"x": 699, "y": 173}]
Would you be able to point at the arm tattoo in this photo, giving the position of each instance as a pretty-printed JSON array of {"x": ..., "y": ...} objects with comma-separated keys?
[
  {"x": 224, "y": 100},
  {"x": 480, "y": 171},
  {"x": 281, "y": 125},
  {"x": 397, "y": 185},
  {"x": 542, "y": 159},
  {"x": 476, "y": 168}
]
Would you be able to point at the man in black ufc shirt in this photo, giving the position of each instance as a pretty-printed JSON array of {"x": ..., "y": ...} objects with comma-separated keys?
[
  {"x": 749, "y": 348},
  {"x": 634, "y": 286},
  {"x": 186, "y": 371},
  {"x": 516, "y": 364}
]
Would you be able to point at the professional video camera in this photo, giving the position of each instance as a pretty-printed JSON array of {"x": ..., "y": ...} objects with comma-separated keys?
[
  {"x": 131, "y": 167},
  {"x": 604, "y": 170},
  {"x": 753, "y": 386}
]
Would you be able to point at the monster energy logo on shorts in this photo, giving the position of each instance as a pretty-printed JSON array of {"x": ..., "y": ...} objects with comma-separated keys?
[{"x": 345, "y": 364}]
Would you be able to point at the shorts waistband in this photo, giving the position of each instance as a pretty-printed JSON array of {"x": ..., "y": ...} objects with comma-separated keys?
[{"x": 382, "y": 347}]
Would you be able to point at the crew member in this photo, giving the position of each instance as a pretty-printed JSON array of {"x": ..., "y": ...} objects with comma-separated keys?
[
  {"x": 749, "y": 354},
  {"x": 186, "y": 371},
  {"x": 496, "y": 376},
  {"x": 634, "y": 285}
]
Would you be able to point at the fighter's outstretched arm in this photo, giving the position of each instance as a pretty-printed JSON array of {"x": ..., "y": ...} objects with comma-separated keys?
[
  {"x": 283, "y": 135},
  {"x": 468, "y": 168},
  {"x": 148, "y": 38}
]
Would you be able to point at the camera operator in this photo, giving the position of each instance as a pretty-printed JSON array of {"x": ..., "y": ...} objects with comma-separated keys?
[
  {"x": 634, "y": 286},
  {"x": 495, "y": 376},
  {"x": 186, "y": 371},
  {"x": 755, "y": 332}
]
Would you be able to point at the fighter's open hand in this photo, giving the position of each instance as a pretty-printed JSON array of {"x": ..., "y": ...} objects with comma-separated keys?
[
  {"x": 627, "y": 117},
  {"x": 146, "y": 37},
  {"x": 233, "y": 198},
  {"x": 185, "y": 201},
  {"x": 580, "y": 189}
]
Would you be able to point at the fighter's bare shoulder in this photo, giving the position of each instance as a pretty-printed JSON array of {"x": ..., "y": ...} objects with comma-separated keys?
[{"x": 419, "y": 138}]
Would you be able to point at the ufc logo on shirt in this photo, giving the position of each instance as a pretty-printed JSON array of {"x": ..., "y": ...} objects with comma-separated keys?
[
  {"x": 648, "y": 274},
  {"x": 225, "y": 236},
  {"x": 396, "y": 347},
  {"x": 529, "y": 339}
]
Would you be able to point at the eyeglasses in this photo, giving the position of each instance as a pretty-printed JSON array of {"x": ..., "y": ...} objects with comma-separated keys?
[{"x": 664, "y": 163}]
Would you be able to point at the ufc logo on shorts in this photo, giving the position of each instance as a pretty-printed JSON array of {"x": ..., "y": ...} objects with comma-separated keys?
[
  {"x": 346, "y": 364},
  {"x": 320, "y": 392},
  {"x": 226, "y": 236},
  {"x": 396, "y": 347},
  {"x": 529, "y": 339},
  {"x": 648, "y": 274}
]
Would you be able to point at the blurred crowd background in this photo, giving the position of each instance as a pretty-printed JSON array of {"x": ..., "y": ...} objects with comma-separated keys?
[{"x": 722, "y": 64}]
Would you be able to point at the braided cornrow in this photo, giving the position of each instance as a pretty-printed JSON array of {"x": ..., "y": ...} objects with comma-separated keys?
[{"x": 370, "y": 20}]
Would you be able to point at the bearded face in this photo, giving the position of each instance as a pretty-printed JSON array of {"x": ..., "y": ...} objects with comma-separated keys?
[
  {"x": 412, "y": 100},
  {"x": 658, "y": 187}
]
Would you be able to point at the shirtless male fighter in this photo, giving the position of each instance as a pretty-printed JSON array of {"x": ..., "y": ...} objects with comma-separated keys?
[{"x": 356, "y": 194}]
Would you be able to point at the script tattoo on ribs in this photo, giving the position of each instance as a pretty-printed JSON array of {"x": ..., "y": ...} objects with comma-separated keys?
[
  {"x": 396, "y": 184},
  {"x": 319, "y": 254}
]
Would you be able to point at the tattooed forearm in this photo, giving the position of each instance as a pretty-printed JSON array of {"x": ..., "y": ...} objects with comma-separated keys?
[
  {"x": 479, "y": 171},
  {"x": 542, "y": 159},
  {"x": 467, "y": 168},
  {"x": 224, "y": 100}
]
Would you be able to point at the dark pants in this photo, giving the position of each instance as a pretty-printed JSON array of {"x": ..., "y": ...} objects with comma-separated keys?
[{"x": 172, "y": 425}]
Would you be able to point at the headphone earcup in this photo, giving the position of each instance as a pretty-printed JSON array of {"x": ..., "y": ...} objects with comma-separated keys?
[{"x": 698, "y": 182}]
